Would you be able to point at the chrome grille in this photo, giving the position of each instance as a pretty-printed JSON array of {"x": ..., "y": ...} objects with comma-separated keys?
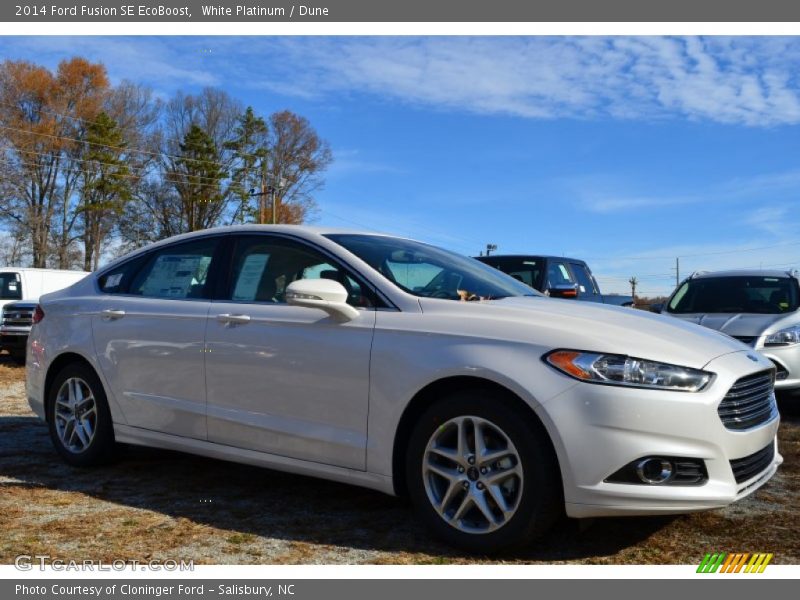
[
  {"x": 749, "y": 402},
  {"x": 750, "y": 466},
  {"x": 17, "y": 317}
]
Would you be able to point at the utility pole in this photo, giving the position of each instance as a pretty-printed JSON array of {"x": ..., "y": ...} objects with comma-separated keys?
[
  {"x": 490, "y": 248},
  {"x": 677, "y": 271},
  {"x": 262, "y": 197},
  {"x": 274, "y": 205},
  {"x": 271, "y": 190},
  {"x": 633, "y": 281}
]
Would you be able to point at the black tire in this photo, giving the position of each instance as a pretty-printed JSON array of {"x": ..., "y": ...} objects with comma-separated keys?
[
  {"x": 18, "y": 356},
  {"x": 541, "y": 502},
  {"x": 102, "y": 447}
]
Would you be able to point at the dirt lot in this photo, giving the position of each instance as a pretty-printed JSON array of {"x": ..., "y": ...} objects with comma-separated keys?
[{"x": 159, "y": 505}]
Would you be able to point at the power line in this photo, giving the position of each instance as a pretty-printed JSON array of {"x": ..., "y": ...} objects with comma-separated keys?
[
  {"x": 121, "y": 127},
  {"x": 188, "y": 178},
  {"x": 119, "y": 148},
  {"x": 140, "y": 169},
  {"x": 699, "y": 254}
]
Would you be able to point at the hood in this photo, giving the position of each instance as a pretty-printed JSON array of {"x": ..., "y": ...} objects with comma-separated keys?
[
  {"x": 740, "y": 324},
  {"x": 554, "y": 323}
]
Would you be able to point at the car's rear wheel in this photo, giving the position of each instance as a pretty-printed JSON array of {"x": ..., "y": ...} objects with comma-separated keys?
[
  {"x": 482, "y": 475},
  {"x": 79, "y": 418}
]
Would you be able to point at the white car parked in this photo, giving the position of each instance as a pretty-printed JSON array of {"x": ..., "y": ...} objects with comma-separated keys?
[{"x": 352, "y": 356}]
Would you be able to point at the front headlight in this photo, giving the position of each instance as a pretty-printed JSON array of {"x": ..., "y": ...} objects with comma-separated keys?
[
  {"x": 616, "y": 369},
  {"x": 784, "y": 337}
]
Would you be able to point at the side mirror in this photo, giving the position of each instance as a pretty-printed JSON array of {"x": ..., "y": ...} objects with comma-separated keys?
[
  {"x": 657, "y": 307},
  {"x": 325, "y": 294},
  {"x": 569, "y": 290}
]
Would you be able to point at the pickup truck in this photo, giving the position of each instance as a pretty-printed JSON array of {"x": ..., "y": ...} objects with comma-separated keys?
[
  {"x": 555, "y": 276},
  {"x": 16, "y": 319},
  {"x": 20, "y": 288}
]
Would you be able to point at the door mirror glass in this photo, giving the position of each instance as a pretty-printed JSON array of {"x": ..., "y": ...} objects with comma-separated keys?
[{"x": 325, "y": 294}]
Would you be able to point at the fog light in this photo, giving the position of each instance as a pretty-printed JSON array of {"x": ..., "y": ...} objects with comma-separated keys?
[
  {"x": 662, "y": 470},
  {"x": 654, "y": 470}
]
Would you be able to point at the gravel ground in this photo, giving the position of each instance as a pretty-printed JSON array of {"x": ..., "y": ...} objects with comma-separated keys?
[{"x": 154, "y": 504}]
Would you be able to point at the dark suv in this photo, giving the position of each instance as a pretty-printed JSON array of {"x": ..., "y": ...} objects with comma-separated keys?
[{"x": 556, "y": 276}]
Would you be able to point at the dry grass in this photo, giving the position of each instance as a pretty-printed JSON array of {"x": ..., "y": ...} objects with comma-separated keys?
[{"x": 154, "y": 504}]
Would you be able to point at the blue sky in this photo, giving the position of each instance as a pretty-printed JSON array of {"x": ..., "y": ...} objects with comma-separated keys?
[{"x": 624, "y": 151}]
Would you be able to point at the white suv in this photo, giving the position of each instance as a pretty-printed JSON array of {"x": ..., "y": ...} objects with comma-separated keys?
[{"x": 359, "y": 357}]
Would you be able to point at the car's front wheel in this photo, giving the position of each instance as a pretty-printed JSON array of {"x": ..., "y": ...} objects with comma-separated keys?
[
  {"x": 79, "y": 418},
  {"x": 481, "y": 475}
]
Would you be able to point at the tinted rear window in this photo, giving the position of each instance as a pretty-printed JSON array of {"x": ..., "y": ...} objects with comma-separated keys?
[
  {"x": 763, "y": 295},
  {"x": 529, "y": 270},
  {"x": 10, "y": 286}
]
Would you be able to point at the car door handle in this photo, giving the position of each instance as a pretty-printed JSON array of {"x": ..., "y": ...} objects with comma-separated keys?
[
  {"x": 234, "y": 319},
  {"x": 111, "y": 314}
]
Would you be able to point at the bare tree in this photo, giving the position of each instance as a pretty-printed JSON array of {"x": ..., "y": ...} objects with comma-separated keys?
[
  {"x": 296, "y": 158},
  {"x": 13, "y": 247}
]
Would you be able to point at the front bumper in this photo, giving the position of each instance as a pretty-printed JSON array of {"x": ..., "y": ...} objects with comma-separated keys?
[
  {"x": 13, "y": 337},
  {"x": 599, "y": 429}
]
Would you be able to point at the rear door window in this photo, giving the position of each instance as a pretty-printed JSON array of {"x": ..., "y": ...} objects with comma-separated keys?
[{"x": 177, "y": 272}]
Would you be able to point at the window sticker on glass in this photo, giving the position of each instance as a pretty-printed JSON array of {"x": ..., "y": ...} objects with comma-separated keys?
[
  {"x": 583, "y": 289},
  {"x": 249, "y": 277},
  {"x": 112, "y": 281},
  {"x": 174, "y": 275},
  {"x": 12, "y": 287}
]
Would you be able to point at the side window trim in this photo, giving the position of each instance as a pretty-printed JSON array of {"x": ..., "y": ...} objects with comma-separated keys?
[{"x": 144, "y": 259}]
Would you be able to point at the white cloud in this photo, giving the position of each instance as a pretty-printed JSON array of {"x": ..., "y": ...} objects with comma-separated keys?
[
  {"x": 746, "y": 81},
  {"x": 604, "y": 196},
  {"x": 742, "y": 80}
]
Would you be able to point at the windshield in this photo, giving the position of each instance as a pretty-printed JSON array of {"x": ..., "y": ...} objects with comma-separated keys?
[
  {"x": 763, "y": 295},
  {"x": 10, "y": 286},
  {"x": 431, "y": 272}
]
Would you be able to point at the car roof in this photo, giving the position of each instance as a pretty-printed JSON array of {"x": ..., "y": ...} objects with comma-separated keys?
[
  {"x": 532, "y": 256},
  {"x": 744, "y": 273},
  {"x": 304, "y": 231}
]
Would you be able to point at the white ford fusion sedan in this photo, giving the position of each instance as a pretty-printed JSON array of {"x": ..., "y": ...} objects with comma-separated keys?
[{"x": 394, "y": 365}]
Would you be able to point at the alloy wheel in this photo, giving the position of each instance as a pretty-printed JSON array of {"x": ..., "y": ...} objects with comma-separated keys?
[
  {"x": 75, "y": 415},
  {"x": 472, "y": 474}
]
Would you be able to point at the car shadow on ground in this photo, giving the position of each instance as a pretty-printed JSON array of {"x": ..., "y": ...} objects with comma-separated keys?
[{"x": 271, "y": 504}]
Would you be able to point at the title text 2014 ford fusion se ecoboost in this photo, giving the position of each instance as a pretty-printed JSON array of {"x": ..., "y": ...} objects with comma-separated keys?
[{"x": 355, "y": 357}]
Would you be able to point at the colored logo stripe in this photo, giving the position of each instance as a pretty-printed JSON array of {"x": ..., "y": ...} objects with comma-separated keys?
[
  {"x": 735, "y": 562},
  {"x": 711, "y": 562}
]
